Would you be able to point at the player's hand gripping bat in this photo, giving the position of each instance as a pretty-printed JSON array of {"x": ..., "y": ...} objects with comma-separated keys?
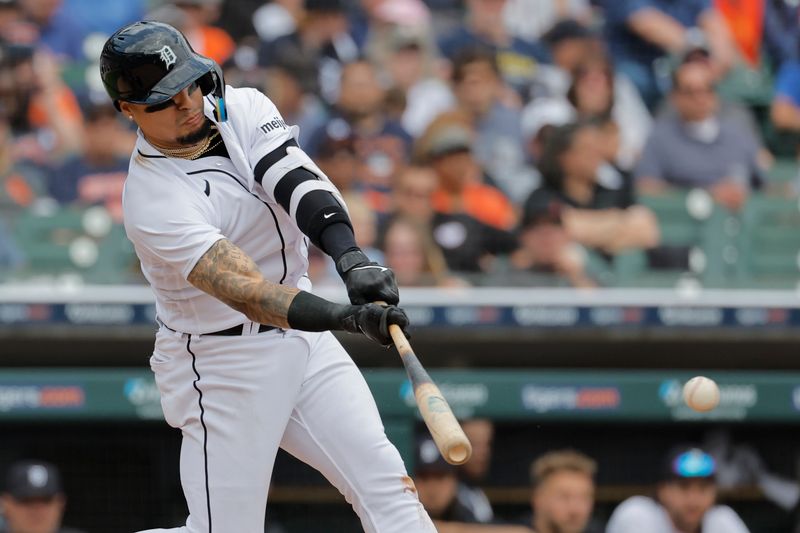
[{"x": 445, "y": 429}]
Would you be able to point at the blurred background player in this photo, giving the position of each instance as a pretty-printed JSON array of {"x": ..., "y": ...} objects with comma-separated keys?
[
  {"x": 684, "y": 500},
  {"x": 563, "y": 493},
  {"x": 33, "y": 499}
]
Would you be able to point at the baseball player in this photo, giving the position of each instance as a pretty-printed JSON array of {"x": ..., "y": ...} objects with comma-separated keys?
[{"x": 220, "y": 204}]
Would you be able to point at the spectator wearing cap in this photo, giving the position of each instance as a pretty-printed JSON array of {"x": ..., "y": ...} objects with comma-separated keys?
[
  {"x": 97, "y": 175},
  {"x": 643, "y": 33},
  {"x": 499, "y": 144},
  {"x": 698, "y": 145},
  {"x": 562, "y": 496},
  {"x": 483, "y": 27},
  {"x": 437, "y": 485},
  {"x": 33, "y": 499},
  {"x": 684, "y": 500},
  {"x": 446, "y": 147},
  {"x": 594, "y": 215},
  {"x": 473, "y": 473}
]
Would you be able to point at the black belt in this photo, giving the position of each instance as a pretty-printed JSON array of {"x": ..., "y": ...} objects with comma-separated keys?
[
  {"x": 237, "y": 330},
  {"x": 232, "y": 331}
]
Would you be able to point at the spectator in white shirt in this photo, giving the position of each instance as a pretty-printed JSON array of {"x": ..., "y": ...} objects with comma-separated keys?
[{"x": 684, "y": 503}]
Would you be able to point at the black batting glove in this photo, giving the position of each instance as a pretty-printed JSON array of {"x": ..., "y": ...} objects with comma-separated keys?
[
  {"x": 366, "y": 280},
  {"x": 373, "y": 320}
]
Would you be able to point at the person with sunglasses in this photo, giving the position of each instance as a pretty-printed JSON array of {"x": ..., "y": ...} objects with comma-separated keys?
[
  {"x": 220, "y": 203},
  {"x": 684, "y": 500}
]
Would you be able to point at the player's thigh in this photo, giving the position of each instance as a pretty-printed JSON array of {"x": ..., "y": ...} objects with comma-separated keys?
[{"x": 335, "y": 425}]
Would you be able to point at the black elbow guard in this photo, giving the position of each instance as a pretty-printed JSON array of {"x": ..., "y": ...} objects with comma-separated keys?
[{"x": 318, "y": 210}]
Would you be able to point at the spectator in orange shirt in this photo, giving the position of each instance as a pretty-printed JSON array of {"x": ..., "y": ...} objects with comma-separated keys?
[
  {"x": 198, "y": 26},
  {"x": 448, "y": 150}
]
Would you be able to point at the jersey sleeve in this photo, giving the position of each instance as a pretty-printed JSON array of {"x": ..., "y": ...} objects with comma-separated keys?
[
  {"x": 635, "y": 515},
  {"x": 172, "y": 228},
  {"x": 274, "y": 153},
  {"x": 723, "y": 519}
]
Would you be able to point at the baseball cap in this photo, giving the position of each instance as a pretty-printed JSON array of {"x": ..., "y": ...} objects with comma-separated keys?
[
  {"x": 688, "y": 462},
  {"x": 541, "y": 209},
  {"x": 449, "y": 140},
  {"x": 33, "y": 479},
  {"x": 428, "y": 460},
  {"x": 566, "y": 29}
]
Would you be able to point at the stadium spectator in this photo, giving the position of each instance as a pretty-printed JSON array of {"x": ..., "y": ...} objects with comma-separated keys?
[
  {"x": 546, "y": 255},
  {"x": 321, "y": 41},
  {"x": 60, "y": 32},
  {"x": 642, "y": 34},
  {"x": 291, "y": 84},
  {"x": 411, "y": 253},
  {"x": 11, "y": 256},
  {"x": 276, "y": 19},
  {"x": 336, "y": 155},
  {"x": 446, "y": 146},
  {"x": 198, "y": 26},
  {"x": 498, "y": 145},
  {"x": 33, "y": 499},
  {"x": 44, "y": 114},
  {"x": 480, "y": 432},
  {"x": 412, "y": 68},
  {"x": 785, "y": 106},
  {"x": 468, "y": 245},
  {"x": 381, "y": 144},
  {"x": 568, "y": 42},
  {"x": 22, "y": 181},
  {"x": 563, "y": 493},
  {"x": 483, "y": 26},
  {"x": 98, "y": 174},
  {"x": 437, "y": 486},
  {"x": 595, "y": 90},
  {"x": 684, "y": 500},
  {"x": 531, "y": 19},
  {"x": 599, "y": 216},
  {"x": 699, "y": 146},
  {"x": 14, "y": 28}
]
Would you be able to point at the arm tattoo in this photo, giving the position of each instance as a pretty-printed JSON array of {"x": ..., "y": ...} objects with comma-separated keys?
[{"x": 230, "y": 275}]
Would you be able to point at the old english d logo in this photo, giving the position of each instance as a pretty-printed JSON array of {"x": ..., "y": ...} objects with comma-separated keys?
[{"x": 167, "y": 56}]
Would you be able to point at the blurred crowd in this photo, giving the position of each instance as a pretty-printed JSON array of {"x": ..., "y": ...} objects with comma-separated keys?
[{"x": 476, "y": 143}]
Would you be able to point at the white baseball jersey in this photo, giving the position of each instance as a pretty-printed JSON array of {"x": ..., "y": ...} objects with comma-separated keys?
[
  {"x": 176, "y": 209},
  {"x": 639, "y": 513}
]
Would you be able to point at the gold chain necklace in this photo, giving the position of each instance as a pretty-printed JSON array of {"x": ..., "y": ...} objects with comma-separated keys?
[{"x": 191, "y": 152}]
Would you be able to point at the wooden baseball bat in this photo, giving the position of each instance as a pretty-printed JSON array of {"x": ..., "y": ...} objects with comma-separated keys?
[{"x": 445, "y": 429}]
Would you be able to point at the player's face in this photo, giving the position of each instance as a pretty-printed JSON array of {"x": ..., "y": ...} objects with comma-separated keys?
[
  {"x": 564, "y": 502},
  {"x": 436, "y": 491},
  {"x": 177, "y": 122},
  {"x": 480, "y": 433},
  {"x": 687, "y": 501},
  {"x": 33, "y": 516}
]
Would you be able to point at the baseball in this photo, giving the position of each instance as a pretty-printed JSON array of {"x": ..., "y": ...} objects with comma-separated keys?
[{"x": 701, "y": 393}]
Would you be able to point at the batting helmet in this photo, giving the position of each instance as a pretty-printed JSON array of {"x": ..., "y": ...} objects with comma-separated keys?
[{"x": 150, "y": 62}]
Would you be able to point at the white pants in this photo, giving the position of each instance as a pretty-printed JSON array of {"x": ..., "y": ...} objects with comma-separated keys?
[{"x": 237, "y": 399}]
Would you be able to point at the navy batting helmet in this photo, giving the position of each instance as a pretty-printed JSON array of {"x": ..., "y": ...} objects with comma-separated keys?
[{"x": 150, "y": 62}]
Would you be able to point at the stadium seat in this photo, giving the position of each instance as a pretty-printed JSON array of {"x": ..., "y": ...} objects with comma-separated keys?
[
  {"x": 57, "y": 241},
  {"x": 770, "y": 242},
  {"x": 693, "y": 226}
]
